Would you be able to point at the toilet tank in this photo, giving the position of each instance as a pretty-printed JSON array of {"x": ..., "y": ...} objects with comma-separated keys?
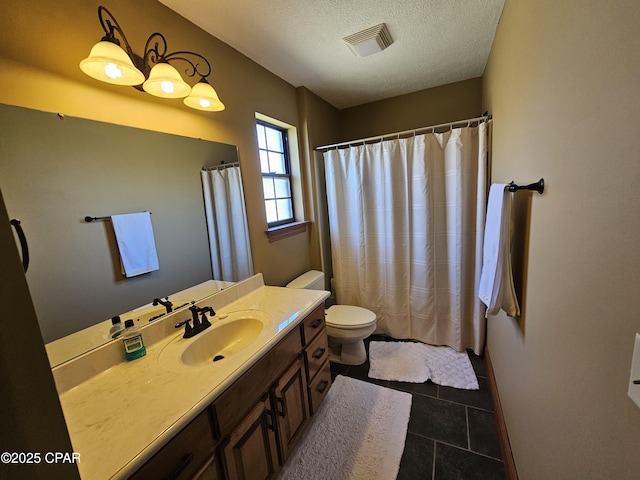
[{"x": 312, "y": 280}]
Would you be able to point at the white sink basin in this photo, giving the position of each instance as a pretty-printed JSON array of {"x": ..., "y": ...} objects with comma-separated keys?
[
  {"x": 229, "y": 335},
  {"x": 222, "y": 341}
]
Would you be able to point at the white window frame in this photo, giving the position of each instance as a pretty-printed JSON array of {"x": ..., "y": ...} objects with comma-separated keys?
[{"x": 272, "y": 176}]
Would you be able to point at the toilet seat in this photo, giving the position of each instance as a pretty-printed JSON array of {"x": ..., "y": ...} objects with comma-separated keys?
[{"x": 349, "y": 317}]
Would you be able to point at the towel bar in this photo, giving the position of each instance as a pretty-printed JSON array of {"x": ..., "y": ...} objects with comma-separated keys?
[
  {"x": 538, "y": 186},
  {"x": 91, "y": 219}
]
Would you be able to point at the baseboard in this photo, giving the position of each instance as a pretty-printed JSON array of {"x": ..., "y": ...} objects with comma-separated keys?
[{"x": 507, "y": 455}]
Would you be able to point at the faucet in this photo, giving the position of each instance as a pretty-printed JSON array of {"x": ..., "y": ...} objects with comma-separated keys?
[
  {"x": 199, "y": 324},
  {"x": 165, "y": 303},
  {"x": 204, "y": 310}
]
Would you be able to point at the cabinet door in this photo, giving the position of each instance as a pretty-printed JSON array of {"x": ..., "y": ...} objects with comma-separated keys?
[
  {"x": 251, "y": 453},
  {"x": 27, "y": 375},
  {"x": 291, "y": 406}
]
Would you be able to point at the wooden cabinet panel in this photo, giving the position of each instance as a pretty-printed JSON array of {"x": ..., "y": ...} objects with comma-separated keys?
[
  {"x": 184, "y": 455},
  {"x": 210, "y": 471},
  {"x": 251, "y": 453},
  {"x": 316, "y": 355},
  {"x": 313, "y": 324},
  {"x": 291, "y": 406},
  {"x": 234, "y": 403},
  {"x": 319, "y": 387}
]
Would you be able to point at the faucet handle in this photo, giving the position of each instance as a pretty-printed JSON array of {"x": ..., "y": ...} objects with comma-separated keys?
[
  {"x": 165, "y": 303},
  {"x": 188, "y": 329},
  {"x": 194, "y": 314},
  {"x": 205, "y": 321}
]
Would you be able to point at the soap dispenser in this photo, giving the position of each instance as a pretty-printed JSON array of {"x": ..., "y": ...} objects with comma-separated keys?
[
  {"x": 132, "y": 341},
  {"x": 116, "y": 327}
]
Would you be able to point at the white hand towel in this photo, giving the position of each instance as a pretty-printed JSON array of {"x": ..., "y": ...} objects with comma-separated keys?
[
  {"x": 496, "y": 281},
  {"x": 136, "y": 243}
]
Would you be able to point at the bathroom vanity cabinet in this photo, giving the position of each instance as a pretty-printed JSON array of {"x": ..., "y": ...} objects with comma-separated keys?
[
  {"x": 249, "y": 431},
  {"x": 191, "y": 454}
]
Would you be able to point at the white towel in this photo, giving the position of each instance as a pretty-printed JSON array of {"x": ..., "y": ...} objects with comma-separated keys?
[
  {"x": 136, "y": 243},
  {"x": 496, "y": 281}
]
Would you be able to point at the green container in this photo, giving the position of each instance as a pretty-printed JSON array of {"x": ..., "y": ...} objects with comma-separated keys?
[{"x": 132, "y": 342}]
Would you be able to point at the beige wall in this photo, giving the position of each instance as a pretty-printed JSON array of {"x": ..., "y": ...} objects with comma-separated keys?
[
  {"x": 320, "y": 126},
  {"x": 562, "y": 85},
  {"x": 448, "y": 103},
  {"x": 41, "y": 44}
]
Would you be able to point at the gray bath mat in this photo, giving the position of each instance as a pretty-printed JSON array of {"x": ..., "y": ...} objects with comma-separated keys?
[
  {"x": 418, "y": 362},
  {"x": 358, "y": 433}
]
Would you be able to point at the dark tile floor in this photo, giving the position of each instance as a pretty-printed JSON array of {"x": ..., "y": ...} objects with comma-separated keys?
[{"x": 452, "y": 433}]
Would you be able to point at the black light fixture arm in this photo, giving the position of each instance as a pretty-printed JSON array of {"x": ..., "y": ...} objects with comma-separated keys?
[
  {"x": 110, "y": 25},
  {"x": 157, "y": 53},
  {"x": 155, "y": 49},
  {"x": 154, "y": 70}
]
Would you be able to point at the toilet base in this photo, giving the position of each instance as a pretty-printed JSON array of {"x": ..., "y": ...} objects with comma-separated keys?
[{"x": 352, "y": 353}]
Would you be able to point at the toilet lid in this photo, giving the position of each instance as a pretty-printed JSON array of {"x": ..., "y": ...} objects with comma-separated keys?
[{"x": 349, "y": 316}]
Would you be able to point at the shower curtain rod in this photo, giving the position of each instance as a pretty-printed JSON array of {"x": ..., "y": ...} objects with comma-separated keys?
[
  {"x": 221, "y": 166},
  {"x": 480, "y": 119}
]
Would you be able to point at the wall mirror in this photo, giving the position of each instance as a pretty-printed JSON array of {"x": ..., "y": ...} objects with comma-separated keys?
[{"x": 55, "y": 170}]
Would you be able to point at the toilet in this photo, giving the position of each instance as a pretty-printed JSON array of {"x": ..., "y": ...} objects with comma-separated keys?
[{"x": 347, "y": 325}]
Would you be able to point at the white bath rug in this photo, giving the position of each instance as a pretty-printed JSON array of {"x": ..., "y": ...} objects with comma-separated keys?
[
  {"x": 358, "y": 433},
  {"x": 399, "y": 361},
  {"x": 418, "y": 362}
]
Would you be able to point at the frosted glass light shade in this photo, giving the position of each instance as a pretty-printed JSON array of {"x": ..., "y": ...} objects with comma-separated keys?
[
  {"x": 204, "y": 97},
  {"x": 109, "y": 63},
  {"x": 165, "y": 81}
]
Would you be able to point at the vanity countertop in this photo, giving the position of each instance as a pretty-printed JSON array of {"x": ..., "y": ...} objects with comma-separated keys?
[{"x": 120, "y": 417}]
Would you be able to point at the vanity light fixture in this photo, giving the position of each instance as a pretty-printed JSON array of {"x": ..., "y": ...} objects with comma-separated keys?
[{"x": 153, "y": 73}]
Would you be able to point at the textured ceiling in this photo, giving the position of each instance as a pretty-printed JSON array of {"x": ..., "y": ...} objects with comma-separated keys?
[{"x": 435, "y": 41}]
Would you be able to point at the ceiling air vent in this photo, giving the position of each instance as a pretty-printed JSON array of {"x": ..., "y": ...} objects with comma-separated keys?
[{"x": 369, "y": 41}]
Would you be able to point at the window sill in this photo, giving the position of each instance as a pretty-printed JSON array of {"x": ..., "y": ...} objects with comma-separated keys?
[{"x": 285, "y": 231}]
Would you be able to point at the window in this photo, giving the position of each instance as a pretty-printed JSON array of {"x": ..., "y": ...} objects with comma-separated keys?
[{"x": 276, "y": 173}]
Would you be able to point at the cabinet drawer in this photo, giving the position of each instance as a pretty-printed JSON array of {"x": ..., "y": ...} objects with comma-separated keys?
[
  {"x": 184, "y": 455},
  {"x": 234, "y": 403},
  {"x": 319, "y": 387},
  {"x": 317, "y": 353},
  {"x": 313, "y": 324}
]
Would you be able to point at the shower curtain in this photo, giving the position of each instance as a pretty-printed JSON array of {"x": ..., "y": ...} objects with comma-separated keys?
[
  {"x": 406, "y": 220},
  {"x": 227, "y": 224}
]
